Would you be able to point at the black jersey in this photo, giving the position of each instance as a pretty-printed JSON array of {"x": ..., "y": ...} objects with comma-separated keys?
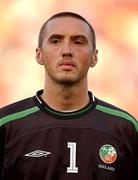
[{"x": 97, "y": 142}]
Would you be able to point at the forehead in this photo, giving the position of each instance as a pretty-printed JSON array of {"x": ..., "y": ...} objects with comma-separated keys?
[{"x": 67, "y": 26}]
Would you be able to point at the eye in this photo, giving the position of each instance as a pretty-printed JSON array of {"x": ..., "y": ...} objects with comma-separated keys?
[
  {"x": 78, "y": 42},
  {"x": 55, "y": 41}
]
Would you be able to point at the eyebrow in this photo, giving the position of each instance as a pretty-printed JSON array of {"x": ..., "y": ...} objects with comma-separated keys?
[{"x": 56, "y": 36}]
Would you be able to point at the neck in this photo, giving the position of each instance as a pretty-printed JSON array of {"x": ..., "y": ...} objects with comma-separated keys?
[{"x": 65, "y": 97}]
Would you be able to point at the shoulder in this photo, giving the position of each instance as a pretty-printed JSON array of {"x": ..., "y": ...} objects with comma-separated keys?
[
  {"x": 17, "y": 110},
  {"x": 115, "y": 112}
]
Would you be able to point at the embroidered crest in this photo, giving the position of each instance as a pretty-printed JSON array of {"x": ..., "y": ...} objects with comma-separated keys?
[{"x": 108, "y": 154}]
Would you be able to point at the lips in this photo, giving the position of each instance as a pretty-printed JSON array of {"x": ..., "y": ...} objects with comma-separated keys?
[{"x": 67, "y": 64}]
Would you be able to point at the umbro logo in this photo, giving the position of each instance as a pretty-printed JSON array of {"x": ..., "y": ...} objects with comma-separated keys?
[{"x": 38, "y": 153}]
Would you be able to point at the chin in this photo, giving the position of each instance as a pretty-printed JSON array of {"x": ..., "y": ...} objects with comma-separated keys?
[
  {"x": 67, "y": 81},
  {"x": 67, "y": 78}
]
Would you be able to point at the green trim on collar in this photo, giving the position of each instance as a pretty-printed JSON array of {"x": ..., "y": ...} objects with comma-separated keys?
[{"x": 67, "y": 114}]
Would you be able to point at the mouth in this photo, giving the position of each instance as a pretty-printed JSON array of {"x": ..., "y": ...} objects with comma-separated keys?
[{"x": 67, "y": 65}]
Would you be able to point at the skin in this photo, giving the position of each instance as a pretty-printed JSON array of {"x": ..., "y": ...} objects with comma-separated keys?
[{"x": 67, "y": 54}]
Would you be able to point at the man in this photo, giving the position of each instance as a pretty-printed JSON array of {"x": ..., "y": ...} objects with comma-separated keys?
[{"x": 65, "y": 132}]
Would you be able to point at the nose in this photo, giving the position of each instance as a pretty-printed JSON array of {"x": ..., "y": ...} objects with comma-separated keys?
[
  {"x": 67, "y": 55},
  {"x": 66, "y": 50}
]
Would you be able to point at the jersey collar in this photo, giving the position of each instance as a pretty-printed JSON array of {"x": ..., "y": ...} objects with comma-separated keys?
[{"x": 64, "y": 115}]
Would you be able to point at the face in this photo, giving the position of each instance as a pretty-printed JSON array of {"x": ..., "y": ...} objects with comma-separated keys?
[{"x": 67, "y": 51}]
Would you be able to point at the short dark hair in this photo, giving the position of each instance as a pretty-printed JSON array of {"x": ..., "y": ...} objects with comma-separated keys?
[{"x": 65, "y": 14}]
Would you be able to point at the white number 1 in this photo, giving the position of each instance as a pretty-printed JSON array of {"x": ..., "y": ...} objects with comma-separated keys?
[{"x": 72, "y": 168}]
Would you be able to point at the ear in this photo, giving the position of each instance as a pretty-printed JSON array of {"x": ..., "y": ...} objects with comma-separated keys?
[
  {"x": 94, "y": 58},
  {"x": 39, "y": 56}
]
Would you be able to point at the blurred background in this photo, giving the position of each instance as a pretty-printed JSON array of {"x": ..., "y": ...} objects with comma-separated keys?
[{"x": 114, "y": 79}]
